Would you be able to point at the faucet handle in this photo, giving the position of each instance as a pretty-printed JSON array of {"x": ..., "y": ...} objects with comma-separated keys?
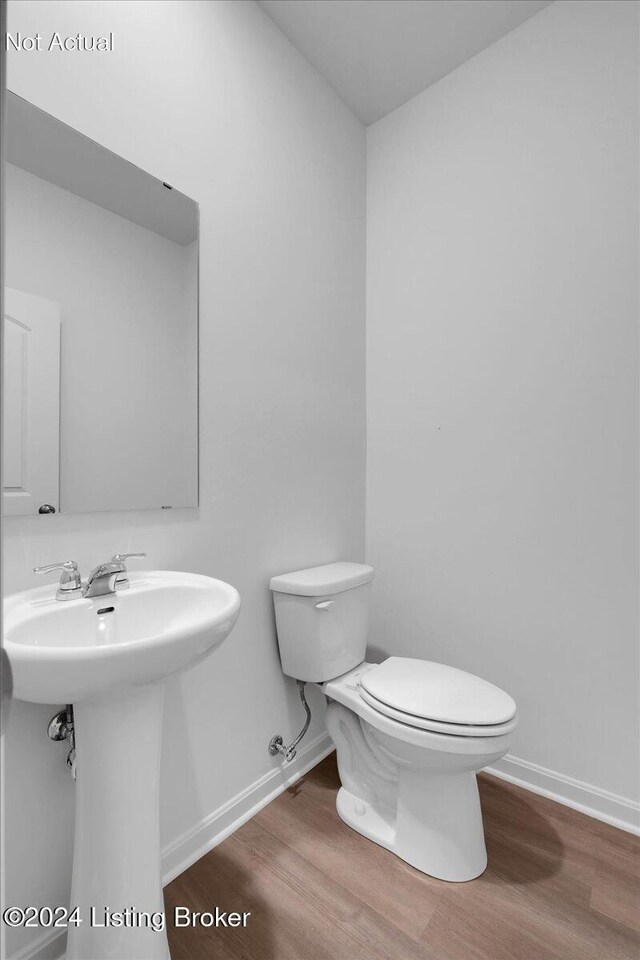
[
  {"x": 122, "y": 580},
  {"x": 69, "y": 565},
  {"x": 70, "y": 585}
]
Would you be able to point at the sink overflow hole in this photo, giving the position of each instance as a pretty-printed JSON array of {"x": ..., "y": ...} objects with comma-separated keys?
[{"x": 105, "y": 610}]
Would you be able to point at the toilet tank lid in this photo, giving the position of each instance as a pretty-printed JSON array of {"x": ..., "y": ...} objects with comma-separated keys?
[{"x": 326, "y": 579}]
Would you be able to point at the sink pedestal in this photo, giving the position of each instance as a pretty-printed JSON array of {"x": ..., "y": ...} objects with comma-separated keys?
[{"x": 116, "y": 860}]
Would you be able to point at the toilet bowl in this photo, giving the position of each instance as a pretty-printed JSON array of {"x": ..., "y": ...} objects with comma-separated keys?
[{"x": 410, "y": 734}]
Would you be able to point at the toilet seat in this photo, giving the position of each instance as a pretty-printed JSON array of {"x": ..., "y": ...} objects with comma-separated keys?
[
  {"x": 437, "y": 726},
  {"x": 433, "y": 696},
  {"x": 347, "y": 691}
]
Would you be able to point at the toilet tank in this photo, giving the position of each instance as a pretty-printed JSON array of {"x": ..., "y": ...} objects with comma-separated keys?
[{"x": 322, "y": 619}]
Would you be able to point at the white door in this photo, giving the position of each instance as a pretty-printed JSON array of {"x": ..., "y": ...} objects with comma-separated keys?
[{"x": 31, "y": 404}]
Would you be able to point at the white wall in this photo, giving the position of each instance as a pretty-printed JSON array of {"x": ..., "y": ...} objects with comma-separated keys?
[
  {"x": 128, "y": 384},
  {"x": 502, "y": 306},
  {"x": 213, "y": 99}
]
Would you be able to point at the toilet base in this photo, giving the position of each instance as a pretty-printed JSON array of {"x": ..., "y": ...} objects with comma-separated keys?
[
  {"x": 444, "y": 858},
  {"x": 416, "y": 797}
]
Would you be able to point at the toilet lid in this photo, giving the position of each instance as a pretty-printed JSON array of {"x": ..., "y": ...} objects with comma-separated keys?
[{"x": 433, "y": 691}]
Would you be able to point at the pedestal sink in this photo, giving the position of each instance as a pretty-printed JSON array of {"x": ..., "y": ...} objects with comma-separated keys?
[{"x": 109, "y": 656}]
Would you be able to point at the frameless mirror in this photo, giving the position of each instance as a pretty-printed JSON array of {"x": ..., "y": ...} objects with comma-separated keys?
[{"x": 100, "y": 366}]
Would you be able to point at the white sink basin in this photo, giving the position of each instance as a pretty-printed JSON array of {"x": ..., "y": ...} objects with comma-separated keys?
[
  {"x": 65, "y": 652},
  {"x": 108, "y": 657}
]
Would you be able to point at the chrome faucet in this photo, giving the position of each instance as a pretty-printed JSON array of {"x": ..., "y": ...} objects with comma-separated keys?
[
  {"x": 106, "y": 578},
  {"x": 110, "y": 576}
]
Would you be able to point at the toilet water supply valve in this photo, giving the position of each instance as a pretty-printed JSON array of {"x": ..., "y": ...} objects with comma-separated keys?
[
  {"x": 276, "y": 744},
  {"x": 61, "y": 728}
]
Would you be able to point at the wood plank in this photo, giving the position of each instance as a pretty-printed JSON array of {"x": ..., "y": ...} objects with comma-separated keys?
[{"x": 616, "y": 895}]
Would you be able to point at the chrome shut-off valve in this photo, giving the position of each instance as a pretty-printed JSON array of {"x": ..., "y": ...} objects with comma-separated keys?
[{"x": 276, "y": 744}]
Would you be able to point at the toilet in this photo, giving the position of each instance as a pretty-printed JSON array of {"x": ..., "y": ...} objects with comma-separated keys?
[{"x": 410, "y": 734}]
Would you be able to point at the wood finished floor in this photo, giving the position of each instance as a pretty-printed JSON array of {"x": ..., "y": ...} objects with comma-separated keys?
[{"x": 559, "y": 885}]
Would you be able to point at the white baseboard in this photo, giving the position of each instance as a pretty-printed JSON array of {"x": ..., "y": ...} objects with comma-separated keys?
[
  {"x": 50, "y": 945},
  {"x": 594, "y": 801},
  {"x": 186, "y": 849}
]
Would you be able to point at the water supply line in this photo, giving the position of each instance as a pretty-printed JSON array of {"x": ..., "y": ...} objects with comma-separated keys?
[{"x": 276, "y": 744}]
